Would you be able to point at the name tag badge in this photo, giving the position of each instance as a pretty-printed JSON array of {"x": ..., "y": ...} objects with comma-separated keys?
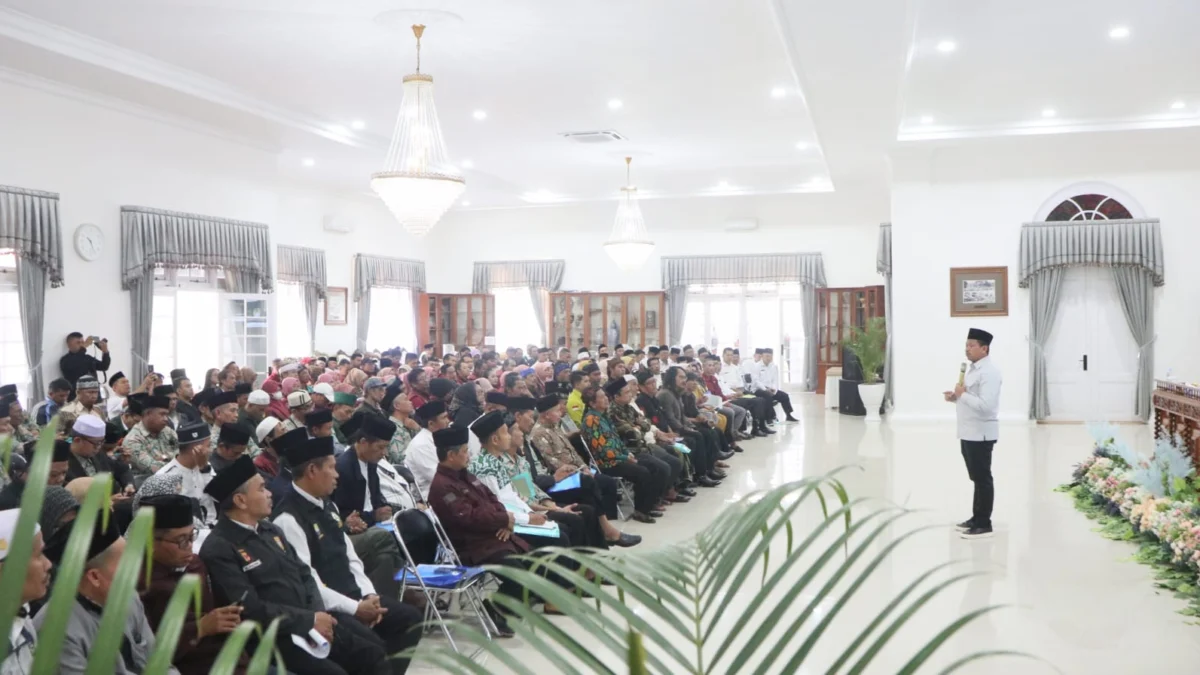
[
  {"x": 317, "y": 529},
  {"x": 254, "y": 565}
]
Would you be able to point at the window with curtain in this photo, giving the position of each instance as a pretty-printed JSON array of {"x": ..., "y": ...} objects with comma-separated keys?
[
  {"x": 196, "y": 325},
  {"x": 292, "y": 325},
  {"x": 391, "y": 319},
  {"x": 13, "y": 369},
  {"x": 516, "y": 321}
]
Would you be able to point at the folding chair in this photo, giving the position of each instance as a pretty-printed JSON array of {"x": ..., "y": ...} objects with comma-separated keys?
[{"x": 438, "y": 586}]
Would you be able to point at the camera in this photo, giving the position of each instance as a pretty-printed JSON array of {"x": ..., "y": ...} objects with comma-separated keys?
[{"x": 95, "y": 338}]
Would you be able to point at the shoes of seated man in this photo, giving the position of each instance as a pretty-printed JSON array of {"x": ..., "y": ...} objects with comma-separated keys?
[
  {"x": 626, "y": 540},
  {"x": 977, "y": 532},
  {"x": 724, "y": 455},
  {"x": 502, "y": 628},
  {"x": 645, "y": 517},
  {"x": 789, "y": 418},
  {"x": 707, "y": 482},
  {"x": 738, "y": 448},
  {"x": 681, "y": 499},
  {"x": 717, "y": 474},
  {"x": 656, "y": 514},
  {"x": 768, "y": 430},
  {"x": 759, "y": 433},
  {"x": 686, "y": 492}
]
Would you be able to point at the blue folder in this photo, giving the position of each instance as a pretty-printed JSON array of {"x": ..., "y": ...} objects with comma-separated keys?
[{"x": 569, "y": 483}]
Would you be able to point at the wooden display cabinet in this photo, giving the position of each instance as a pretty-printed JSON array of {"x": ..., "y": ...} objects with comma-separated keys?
[
  {"x": 590, "y": 319},
  {"x": 456, "y": 318},
  {"x": 838, "y": 311}
]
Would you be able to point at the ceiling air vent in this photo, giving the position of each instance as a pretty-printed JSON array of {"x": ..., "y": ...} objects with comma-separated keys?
[{"x": 592, "y": 137}]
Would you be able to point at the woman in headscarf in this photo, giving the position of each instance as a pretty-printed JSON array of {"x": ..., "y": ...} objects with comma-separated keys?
[
  {"x": 328, "y": 377},
  {"x": 355, "y": 378},
  {"x": 212, "y": 379},
  {"x": 440, "y": 389},
  {"x": 290, "y": 384},
  {"x": 534, "y": 381},
  {"x": 465, "y": 408},
  {"x": 59, "y": 507},
  {"x": 278, "y": 407},
  {"x": 483, "y": 386},
  {"x": 561, "y": 384},
  {"x": 493, "y": 376}
]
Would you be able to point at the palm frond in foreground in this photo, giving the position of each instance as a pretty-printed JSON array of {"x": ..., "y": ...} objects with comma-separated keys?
[{"x": 750, "y": 594}]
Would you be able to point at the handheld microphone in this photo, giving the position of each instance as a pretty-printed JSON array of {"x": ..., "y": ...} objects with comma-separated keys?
[{"x": 962, "y": 373}]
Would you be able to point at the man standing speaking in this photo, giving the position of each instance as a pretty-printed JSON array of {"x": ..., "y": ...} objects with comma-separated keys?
[{"x": 977, "y": 402}]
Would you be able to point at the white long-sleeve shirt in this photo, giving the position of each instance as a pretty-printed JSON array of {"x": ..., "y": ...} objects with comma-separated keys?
[
  {"x": 421, "y": 459},
  {"x": 731, "y": 378},
  {"x": 768, "y": 376},
  {"x": 334, "y": 601},
  {"x": 978, "y": 408},
  {"x": 752, "y": 369}
]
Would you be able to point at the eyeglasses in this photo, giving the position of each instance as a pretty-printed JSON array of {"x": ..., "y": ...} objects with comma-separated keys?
[{"x": 182, "y": 542}]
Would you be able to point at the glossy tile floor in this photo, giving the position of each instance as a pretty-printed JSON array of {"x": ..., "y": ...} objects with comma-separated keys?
[{"x": 1074, "y": 599}]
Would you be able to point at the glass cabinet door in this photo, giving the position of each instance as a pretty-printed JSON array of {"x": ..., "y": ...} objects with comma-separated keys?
[
  {"x": 461, "y": 312},
  {"x": 445, "y": 323},
  {"x": 578, "y": 327},
  {"x": 652, "y": 319},
  {"x": 633, "y": 321},
  {"x": 475, "y": 335},
  {"x": 558, "y": 320},
  {"x": 595, "y": 320},
  {"x": 489, "y": 306},
  {"x": 615, "y": 332}
]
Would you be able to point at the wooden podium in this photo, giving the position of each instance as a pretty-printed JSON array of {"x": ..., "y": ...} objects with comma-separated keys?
[{"x": 1177, "y": 413}]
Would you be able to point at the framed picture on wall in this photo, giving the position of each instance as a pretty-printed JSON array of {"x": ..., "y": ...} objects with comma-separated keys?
[
  {"x": 336, "y": 306},
  {"x": 978, "y": 291}
]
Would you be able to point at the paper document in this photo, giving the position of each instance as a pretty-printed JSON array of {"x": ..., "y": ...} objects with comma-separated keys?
[
  {"x": 683, "y": 448},
  {"x": 314, "y": 643},
  {"x": 550, "y": 529}
]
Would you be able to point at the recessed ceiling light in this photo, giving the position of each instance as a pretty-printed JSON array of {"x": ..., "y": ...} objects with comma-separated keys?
[
  {"x": 466, "y": 203},
  {"x": 468, "y": 164},
  {"x": 1049, "y": 112},
  {"x": 778, "y": 92},
  {"x": 947, "y": 46},
  {"x": 358, "y": 125},
  {"x": 926, "y": 119},
  {"x": 480, "y": 115},
  {"x": 1119, "y": 32},
  {"x": 615, "y": 104},
  {"x": 308, "y": 161},
  {"x": 802, "y": 145},
  {"x": 339, "y": 129},
  {"x": 1178, "y": 105},
  {"x": 724, "y": 185}
]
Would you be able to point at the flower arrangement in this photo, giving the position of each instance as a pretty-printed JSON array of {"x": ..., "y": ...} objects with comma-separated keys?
[{"x": 1155, "y": 500}]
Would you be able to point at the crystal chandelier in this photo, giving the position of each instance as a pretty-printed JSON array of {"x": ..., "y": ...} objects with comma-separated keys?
[
  {"x": 629, "y": 245},
  {"x": 418, "y": 183}
]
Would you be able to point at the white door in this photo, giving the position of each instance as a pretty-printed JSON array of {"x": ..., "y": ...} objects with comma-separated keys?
[{"x": 1091, "y": 357}]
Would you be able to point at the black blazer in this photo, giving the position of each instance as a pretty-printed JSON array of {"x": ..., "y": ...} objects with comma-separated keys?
[
  {"x": 122, "y": 475},
  {"x": 352, "y": 488}
]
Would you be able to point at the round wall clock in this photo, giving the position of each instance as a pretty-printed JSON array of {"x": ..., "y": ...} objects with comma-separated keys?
[{"x": 89, "y": 241}]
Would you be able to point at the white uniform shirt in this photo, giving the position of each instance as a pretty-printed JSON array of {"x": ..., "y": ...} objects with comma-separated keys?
[
  {"x": 421, "y": 459},
  {"x": 731, "y": 378},
  {"x": 752, "y": 369},
  {"x": 979, "y": 407},
  {"x": 22, "y": 640},
  {"x": 115, "y": 406},
  {"x": 768, "y": 376},
  {"x": 194, "y": 482},
  {"x": 334, "y": 601}
]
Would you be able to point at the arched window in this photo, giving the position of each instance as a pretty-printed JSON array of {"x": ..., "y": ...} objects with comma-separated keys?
[{"x": 1089, "y": 207}]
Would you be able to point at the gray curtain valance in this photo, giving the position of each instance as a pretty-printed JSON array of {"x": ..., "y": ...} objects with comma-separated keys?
[
  {"x": 546, "y": 274},
  {"x": 372, "y": 270},
  {"x": 803, "y": 268},
  {"x": 299, "y": 265},
  {"x": 29, "y": 225},
  {"x": 151, "y": 237},
  {"x": 1110, "y": 243},
  {"x": 883, "y": 254}
]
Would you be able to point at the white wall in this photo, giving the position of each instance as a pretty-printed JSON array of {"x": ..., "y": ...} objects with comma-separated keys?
[
  {"x": 844, "y": 234},
  {"x": 955, "y": 215},
  {"x": 99, "y": 159}
]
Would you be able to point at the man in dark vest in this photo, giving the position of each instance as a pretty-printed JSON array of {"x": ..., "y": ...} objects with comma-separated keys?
[
  {"x": 251, "y": 564},
  {"x": 312, "y": 525}
]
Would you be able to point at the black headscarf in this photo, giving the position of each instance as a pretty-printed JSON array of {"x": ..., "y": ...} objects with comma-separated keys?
[{"x": 465, "y": 404}]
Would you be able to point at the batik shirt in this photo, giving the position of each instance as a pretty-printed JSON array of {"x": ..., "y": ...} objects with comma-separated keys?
[
  {"x": 631, "y": 425},
  {"x": 26, "y": 431},
  {"x": 602, "y": 439},
  {"x": 556, "y": 449},
  {"x": 499, "y": 471},
  {"x": 214, "y": 430},
  {"x": 399, "y": 443},
  {"x": 148, "y": 454}
]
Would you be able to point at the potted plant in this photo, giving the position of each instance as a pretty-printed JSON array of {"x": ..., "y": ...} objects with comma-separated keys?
[{"x": 869, "y": 345}]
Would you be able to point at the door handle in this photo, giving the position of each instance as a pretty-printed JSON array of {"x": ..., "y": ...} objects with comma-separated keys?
[{"x": 1084, "y": 360}]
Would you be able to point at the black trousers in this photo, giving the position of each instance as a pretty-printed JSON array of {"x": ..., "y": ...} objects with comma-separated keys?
[
  {"x": 418, "y": 534},
  {"x": 649, "y": 478},
  {"x": 768, "y": 404},
  {"x": 398, "y": 629},
  {"x": 584, "y": 527},
  {"x": 702, "y": 455},
  {"x": 354, "y": 650},
  {"x": 978, "y": 456},
  {"x": 515, "y": 590},
  {"x": 597, "y": 491},
  {"x": 756, "y": 406},
  {"x": 779, "y": 397}
]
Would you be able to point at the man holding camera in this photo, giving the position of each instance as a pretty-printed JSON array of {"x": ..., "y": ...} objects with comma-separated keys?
[{"x": 77, "y": 362}]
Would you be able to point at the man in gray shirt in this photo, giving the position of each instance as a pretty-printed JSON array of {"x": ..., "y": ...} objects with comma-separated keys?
[
  {"x": 104, "y": 556},
  {"x": 977, "y": 403}
]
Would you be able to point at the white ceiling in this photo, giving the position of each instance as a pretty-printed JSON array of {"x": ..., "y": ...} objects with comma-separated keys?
[{"x": 694, "y": 76}]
